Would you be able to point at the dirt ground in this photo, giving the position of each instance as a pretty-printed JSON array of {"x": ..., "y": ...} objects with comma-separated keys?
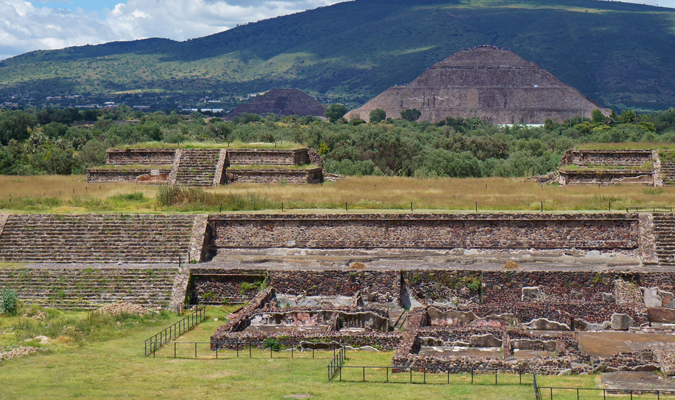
[{"x": 607, "y": 343}]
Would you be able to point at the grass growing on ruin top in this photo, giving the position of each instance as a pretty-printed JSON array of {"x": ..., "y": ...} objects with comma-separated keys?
[
  {"x": 625, "y": 146},
  {"x": 282, "y": 167},
  {"x": 280, "y": 145},
  {"x": 113, "y": 366},
  {"x": 131, "y": 167},
  {"x": 72, "y": 194},
  {"x": 647, "y": 166}
]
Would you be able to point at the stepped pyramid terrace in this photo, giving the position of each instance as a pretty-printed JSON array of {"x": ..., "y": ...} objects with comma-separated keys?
[
  {"x": 651, "y": 165},
  {"x": 216, "y": 165},
  {"x": 487, "y": 82}
]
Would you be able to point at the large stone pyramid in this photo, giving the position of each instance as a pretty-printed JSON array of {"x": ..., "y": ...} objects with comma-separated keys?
[
  {"x": 487, "y": 82},
  {"x": 281, "y": 102}
]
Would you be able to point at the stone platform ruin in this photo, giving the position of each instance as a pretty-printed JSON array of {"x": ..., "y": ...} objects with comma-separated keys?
[
  {"x": 650, "y": 167},
  {"x": 444, "y": 291},
  {"x": 208, "y": 167}
]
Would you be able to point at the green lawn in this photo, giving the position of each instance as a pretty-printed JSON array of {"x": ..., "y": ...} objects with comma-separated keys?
[{"x": 116, "y": 368}]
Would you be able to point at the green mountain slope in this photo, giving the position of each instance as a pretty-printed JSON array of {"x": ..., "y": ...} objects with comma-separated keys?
[{"x": 618, "y": 54}]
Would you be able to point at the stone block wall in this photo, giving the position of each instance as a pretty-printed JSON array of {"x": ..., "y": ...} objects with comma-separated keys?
[
  {"x": 267, "y": 157},
  {"x": 426, "y": 231},
  {"x": 126, "y": 175},
  {"x": 216, "y": 286},
  {"x": 625, "y": 158},
  {"x": 606, "y": 177},
  {"x": 140, "y": 156},
  {"x": 374, "y": 286},
  {"x": 267, "y": 176}
]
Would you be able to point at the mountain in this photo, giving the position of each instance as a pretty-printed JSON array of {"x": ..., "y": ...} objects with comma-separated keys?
[{"x": 618, "y": 54}]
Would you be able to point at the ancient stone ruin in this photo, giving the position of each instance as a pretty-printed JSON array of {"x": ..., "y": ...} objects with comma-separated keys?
[
  {"x": 548, "y": 293},
  {"x": 209, "y": 167},
  {"x": 616, "y": 167},
  {"x": 487, "y": 82},
  {"x": 282, "y": 102}
]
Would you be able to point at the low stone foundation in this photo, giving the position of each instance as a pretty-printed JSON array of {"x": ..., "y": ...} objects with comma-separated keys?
[
  {"x": 140, "y": 156},
  {"x": 140, "y": 175},
  {"x": 293, "y": 176}
]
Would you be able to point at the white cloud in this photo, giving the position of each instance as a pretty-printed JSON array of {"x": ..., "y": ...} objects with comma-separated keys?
[{"x": 27, "y": 26}]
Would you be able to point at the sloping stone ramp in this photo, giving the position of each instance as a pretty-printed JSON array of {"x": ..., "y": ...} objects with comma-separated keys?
[
  {"x": 95, "y": 238},
  {"x": 90, "y": 287}
]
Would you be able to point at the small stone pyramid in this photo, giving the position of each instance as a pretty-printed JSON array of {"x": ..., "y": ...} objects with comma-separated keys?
[
  {"x": 488, "y": 82},
  {"x": 282, "y": 102}
]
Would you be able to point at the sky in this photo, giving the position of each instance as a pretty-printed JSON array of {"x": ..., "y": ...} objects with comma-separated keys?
[{"x": 54, "y": 24}]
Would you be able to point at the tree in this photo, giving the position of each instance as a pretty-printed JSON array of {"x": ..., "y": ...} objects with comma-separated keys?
[
  {"x": 15, "y": 125},
  {"x": 411, "y": 114},
  {"x": 627, "y": 116},
  {"x": 377, "y": 115},
  {"x": 597, "y": 116},
  {"x": 334, "y": 112}
]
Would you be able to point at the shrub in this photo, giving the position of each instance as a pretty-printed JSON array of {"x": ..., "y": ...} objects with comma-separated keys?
[
  {"x": 272, "y": 343},
  {"x": 10, "y": 301}
]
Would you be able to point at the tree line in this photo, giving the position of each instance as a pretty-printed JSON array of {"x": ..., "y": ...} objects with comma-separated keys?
[{"x": 68, "y": 141}]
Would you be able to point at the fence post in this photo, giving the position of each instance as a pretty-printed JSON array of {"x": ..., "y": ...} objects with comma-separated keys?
[
  {"x": 472, "y": 375},
  {"x": 425, "y": 375},
  {"x": 495, "y": 377},
  {"x": 410, "y": 374},
  {"x": 577, "y": 393},
  {"x": 195, "y": 349},
  {"x": 387, "y": 372},
  {"x": 364, "y": 374},
  {"x": 249, "y": 350},
  {"x": 174, "y": 349}
]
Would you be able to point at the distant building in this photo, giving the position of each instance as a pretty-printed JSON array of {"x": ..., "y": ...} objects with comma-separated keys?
[{"x": 282, "y": 102}]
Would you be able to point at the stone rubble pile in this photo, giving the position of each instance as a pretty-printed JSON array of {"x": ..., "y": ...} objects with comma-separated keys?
[{"x": 123, "y": 308}]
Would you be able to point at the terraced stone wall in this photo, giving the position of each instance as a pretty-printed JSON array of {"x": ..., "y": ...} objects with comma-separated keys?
[
  {"x": 127, "y": 175},
  {"x": 96, "y": 238},
  {"x": 140, "y": 156},
  {"x": 90, "y": 287},
  {"x": 218, "y": 286},
  {"x": 624, "y": 158},
  {"x": 267, "y": 157},
  {"x": 606, "y": 177},
  {"x": 272, "y": 175},
  {"x": 426, "y": 231},
  {"x": 373, "y": 286}
]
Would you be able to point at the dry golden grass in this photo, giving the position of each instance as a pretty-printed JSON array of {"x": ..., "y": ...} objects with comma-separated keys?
[
  {"x": 455, "y": 194},
  {"x": 362, "y": 194},
  {"x": 65, "y": 187}
]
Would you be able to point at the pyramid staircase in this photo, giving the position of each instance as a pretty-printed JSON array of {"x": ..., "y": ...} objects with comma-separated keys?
[
  {"x": 668, "y": 171},
  {"x": 196, "y": 167},
  {"x": 89, "y": 288},
  {"x": 95, "y": 238},
  {"x": 664, "y": 229}
]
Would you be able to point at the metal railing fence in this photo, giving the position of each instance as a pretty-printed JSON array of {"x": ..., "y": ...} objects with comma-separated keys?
[
  {"x": 552, "y": 392},
  {"x": 231, "y": 350},
  {"x": 427, "y": 376},
  {"x": 158, "y": 340}
]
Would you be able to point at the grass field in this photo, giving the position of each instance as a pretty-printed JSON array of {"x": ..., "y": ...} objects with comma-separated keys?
[
  {"x": 71, "y": 194},
  {"x": 112, "y": 365}
]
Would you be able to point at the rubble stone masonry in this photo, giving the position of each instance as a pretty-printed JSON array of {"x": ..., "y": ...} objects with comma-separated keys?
[{"x": 427, "y": 231}]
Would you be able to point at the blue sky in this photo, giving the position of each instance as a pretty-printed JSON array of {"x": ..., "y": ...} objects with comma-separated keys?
[{"x": 27, "y": 25}]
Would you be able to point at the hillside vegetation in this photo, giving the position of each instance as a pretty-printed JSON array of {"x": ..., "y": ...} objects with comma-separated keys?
[{"x": 618, "y": 54}]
